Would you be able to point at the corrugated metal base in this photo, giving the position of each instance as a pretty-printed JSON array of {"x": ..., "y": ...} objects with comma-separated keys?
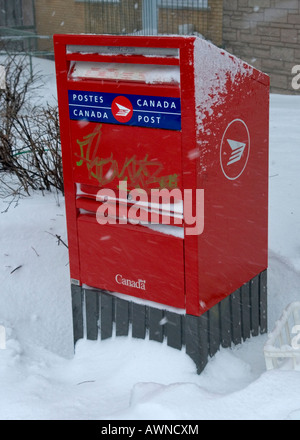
[{"x": 98, "y": 314}]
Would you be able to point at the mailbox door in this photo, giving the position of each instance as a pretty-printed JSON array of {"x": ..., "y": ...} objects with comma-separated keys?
[{"x": 132, "y": 260}]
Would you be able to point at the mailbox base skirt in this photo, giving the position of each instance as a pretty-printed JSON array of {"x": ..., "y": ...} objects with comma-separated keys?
[{"x": 99, "y": 315}]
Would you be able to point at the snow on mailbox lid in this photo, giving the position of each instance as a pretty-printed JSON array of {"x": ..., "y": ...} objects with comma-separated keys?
[
  {"x": 125, "y": 109},
  {"x": 126, "y": 72}
]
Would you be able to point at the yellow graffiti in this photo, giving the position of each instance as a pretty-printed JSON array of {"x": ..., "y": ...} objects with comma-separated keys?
[{"x": 139, "y": 173}]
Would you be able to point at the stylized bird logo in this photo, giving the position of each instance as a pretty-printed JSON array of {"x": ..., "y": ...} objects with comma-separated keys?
[
  {"x": 123, "y": 111},
  {"x": 238, "y": 149}
]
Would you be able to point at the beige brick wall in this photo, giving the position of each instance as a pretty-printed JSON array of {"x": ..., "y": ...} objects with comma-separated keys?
[
  {"x": 58, "y": 17},
  {"x": 68, "y": 16},
  {"x": 265, "y": 33},
  {"x": 169, "y": 20},
  {"x": 215, "y": 22},
  {"x": 115, "y": 18},
  {"x": 205, "y": 22}
]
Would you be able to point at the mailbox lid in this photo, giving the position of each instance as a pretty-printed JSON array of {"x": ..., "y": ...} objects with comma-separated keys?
[{"x": 146, "y": 73}]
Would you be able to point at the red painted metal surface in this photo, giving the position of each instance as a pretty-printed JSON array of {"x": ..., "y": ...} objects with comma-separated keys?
[
  {"x": 220, "y": 147},
  {"x": 133, "y": 260}
]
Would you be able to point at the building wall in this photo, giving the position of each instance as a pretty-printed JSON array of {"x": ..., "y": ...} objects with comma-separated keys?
[
  {"x": 58, "y": 17},
  {"x": 114, "y": 18},
  {"x": 28, "y": 13},
  {"x": 17, "y": 14},
  {"x": 266, "y": 34},
  {"x": 68, "y": 16},
  {"x": 169, "y": 21},
  {"x": 215, "y": 22},
  {"x": 207, "y": 22}
]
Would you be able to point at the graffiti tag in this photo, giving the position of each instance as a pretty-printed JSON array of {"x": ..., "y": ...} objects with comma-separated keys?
[{"x": 139, "y": 173}]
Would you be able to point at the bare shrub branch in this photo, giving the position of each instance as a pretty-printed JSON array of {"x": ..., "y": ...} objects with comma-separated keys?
[{"x": 30, "y": 147}]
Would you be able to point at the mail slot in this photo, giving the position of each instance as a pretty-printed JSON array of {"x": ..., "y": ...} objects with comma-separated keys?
[{"x": 165, "y": 158}]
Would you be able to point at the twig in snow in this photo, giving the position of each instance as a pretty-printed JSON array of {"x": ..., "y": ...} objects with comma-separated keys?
[
  {"x": 86, "y": 381},
  {"x": 35, "y": 251},
  {"x": 16, "y": 269},
  {"x": 59, "y": 239}
]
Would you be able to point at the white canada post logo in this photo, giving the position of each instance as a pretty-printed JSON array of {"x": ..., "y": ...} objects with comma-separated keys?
[
  {"x": 139, "y": 284},
  {"x": 238, "y": 149},
  {"x": 235, "y": 149},
  {"x": 122, "y": 109}
]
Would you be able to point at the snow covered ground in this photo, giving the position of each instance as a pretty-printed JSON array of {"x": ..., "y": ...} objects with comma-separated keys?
[{"x": 124, "y": 378}]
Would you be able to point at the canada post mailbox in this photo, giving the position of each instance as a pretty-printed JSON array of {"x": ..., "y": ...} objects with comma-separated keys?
[{"x": 165, "y": 158}]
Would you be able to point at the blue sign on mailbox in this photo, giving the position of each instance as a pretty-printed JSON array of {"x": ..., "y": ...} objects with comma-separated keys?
[{"x": 137, "y": 110}]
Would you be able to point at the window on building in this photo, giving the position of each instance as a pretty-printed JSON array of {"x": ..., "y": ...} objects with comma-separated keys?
[{"x": 183, "y": 4}]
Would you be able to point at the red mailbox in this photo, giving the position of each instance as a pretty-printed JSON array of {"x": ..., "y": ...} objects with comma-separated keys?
[{"x": 173, "y": 132}]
